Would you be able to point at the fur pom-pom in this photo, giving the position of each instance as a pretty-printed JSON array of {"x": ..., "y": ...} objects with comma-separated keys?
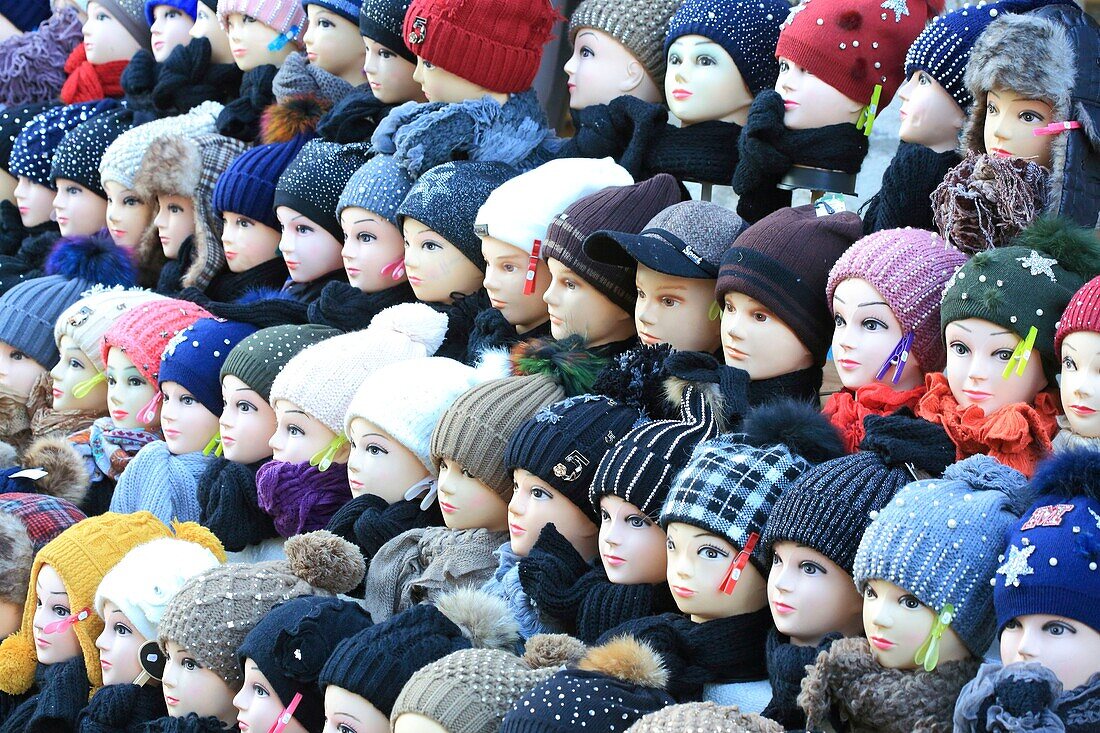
[
  {"x": 1074, "y": 472},
  {"x": 1076, "y": 248},
  {"x": 8, "y": 455},
  {"x": 417, "y": 322},
  {"x": 983, "y": 473},
  {"x": 325, "y": 561},
  {"x": 483, "y": 618},
  {"x": 199, "y": 535},
  {"x": 66, "y": 477},
  {"x": 262, "y": 295},
  {"x": 298, "y": 114},
  {"x": 17, "y": 663},
  {"x": 172, "y": 166},
  {"x": 553, "y": 650},
  {"x": 16, "y": 556},
  {"x": 795, "y": 424},
  {"x": 95, "y": 258},
  {"x": 566, "y": 361},
  {"x": 496, "y": 362},
  {"x": 636, "y": 379},
  {"x": 627, "y": 659}
]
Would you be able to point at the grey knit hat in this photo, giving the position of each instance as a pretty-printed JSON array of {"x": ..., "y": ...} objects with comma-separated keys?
[
  {"x": 380, "y": 185},
  {"x": 29, "y": 311},
  {"x": 640, "y": 25},
  {"x": 131, "y": 14},
  {"x": 693, "y": 717}
]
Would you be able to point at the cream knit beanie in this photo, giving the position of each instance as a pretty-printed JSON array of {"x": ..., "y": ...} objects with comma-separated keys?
[{"x": 87, "y": 320}]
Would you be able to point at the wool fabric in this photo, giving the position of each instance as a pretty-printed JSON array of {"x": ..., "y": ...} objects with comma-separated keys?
[
  {"x": 288, "y": 17},
  {"x": 380, "y": 185},
  {"x": 311, "y": 185},
  {"x": 131, "y": 15},
  {"x": 32, "y": 65},
  {"x": 25, "y": 14},
  {"x": 299, "y": 497},
  {"x": 381, "y": 21},
  {"x": 88, "y": 319},
  {"x": 12, "y": 122},
  {"x": 162, "y": 482},
  {"x": 690, "y": 717},
  {"x": 259, "y": 357},
  {"x": 88, "y": 82},
  {"x": 144, "y": 331},
  {"x": 33, "y": 151},
  {"x": 907, "y": 185},
  {"x": 297, "y": 77},
  {"x": 194, "y": 357},
  {"x": 187, "y": 6},
  {"x": 247, "y": 186},
  {"x": 78, "y": 156},
  {"x": 1081, "y": 314},
  {"x": 27, "y": 523},
  {"x": 29, "y": 312},
  {"x": 639, "y": 26},
  {"x": 230, "y": 505},
  {"x": 123, "y": 156}
]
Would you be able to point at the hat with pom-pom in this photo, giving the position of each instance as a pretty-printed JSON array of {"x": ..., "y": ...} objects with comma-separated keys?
[
  {"x": 380, "y": 185},
  {"x": 32, "y": 154},
  {"x": 143, "y": 332},
  {"x": 1082, "y": 313},
  {"x": 88, "y": 319},
  {"x": 381, "y": 21},
  {"x": 259, "y": 358},
  {"x": 313, "y": 182},
  {"x": 193, "y": 359},
  {"x": 940, "y": 539},
  {"x": 27, "y": 523},
  {"x": 213, "y": 612}
]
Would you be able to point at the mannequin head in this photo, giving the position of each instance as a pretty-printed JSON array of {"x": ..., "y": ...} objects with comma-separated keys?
[
  {"x": 207, "y": 26},
  {"x": 371, "y": 242},
  {"x": 435, "y": 267},
  {"x": 128, "y": 215},
  {"x": 601, "y": 69},
  {"x": 466, "y": 502},
  {"x": 258, "y": 705},
  {"x": 18, "y": 371},
  {"x": 811, "y": 596},
  {"x": 632, "y": 546},
  {"x": 309, "y": 250},
  {"x": 171, "y": 28},
  {"x": 128, "y": 392},
  {"x": 390, "y": 75},
  {"x": 534, "y": 504},
  {"x": 105, "y": 38},
  {"x": 505, "y": 278},
  {"x": 1063, "y": 645},
  {"x": 250, "y": 42},
  {"x": 73, "y": 368},
  {"x": 577, "y": 307},
  {"x": 755, "y": 340},
  {"x": 1080, "y": 383},
  {"x": 187, "y": 425},
  {"x": 1010, "y": 119},
  {"x": 35, "y": 202},
  {"x": 676, "y": 311},
  {"x": 247, "y": 242},
  {"x": 977, "y": 353},
  {"x": 299, "y": 436},
  {"x": 380, "y": 465},
  {"x": 79, "y": 212},
  {"x": 810, "y": 102},
  {"x": 704, "y": 83},
  {"x": 119, "y": 647},
  {"x": 929, "y": 116},
  {"x": 697, "y": 564},
  {"x": 346, "y": 712},
  {"x": 440, "y": 85},
  {"x": 897, "y": 624},
  {"x": 246, "y": 424},
  {"x": 175, "y": 222},
  {"x": 52, "y": 601},
  {"x": 332, "y": 43},
  {"x": 866, "y": 332},
  {"x": 189, "y": 687}
]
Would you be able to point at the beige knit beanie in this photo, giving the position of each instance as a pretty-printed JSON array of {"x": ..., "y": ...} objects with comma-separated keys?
[
  {"x": 86, "y": 320},
  {"x": 704, "y": 716},
  {"x": 640, "y": 25}
]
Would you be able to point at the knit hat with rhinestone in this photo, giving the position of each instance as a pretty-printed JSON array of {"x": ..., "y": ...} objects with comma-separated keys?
[
  {"x": 259, "y": 358},
  {"x": 32, "y": 154},
  {"x": 311, "y": 185},
  {"x": 141, "y": 333},
  {"x": 193, "y": 359},
  {"x": 639, "y": 26},
  {"x": 380, "y": 185},
  {"x": 748, "y": 31},
  {"x": 940, "y": 540},
  {"x": 78, "y": 156},
  {"x": 288, "y": 17},
  {"x": 381, "y": 21},
  {"x": 1082, "y": 313},
  {"x": 344, "y": 8},
  {"x": 12, "y": 121},
  {"x": 88, "y": 319}
]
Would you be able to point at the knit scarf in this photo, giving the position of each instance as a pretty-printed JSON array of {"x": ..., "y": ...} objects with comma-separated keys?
[
  {"x": 346, "y": 307},
  {"x": 847, "y": 685},
  {"x": 16, "y": 411},
  {"x": 368, "y": 522},
  {"x": 905, "y": 198},
  {"x": 1018, "y": 435},
  {"x": 190, "y": 723},
  {"x": 311, "y": 291},
  {"x": 122, "y": 708},
  {"x": 162, "y": 482},
  {"x": 228, "y": 286},
  {"x": 107, "y": 450},
  {"x": 768, "y": 150},
  {"x": 846, "y": 409},
  {"x": 12, "y": 231},
  {"x": 62, "y": 694},
  {"x": 1023, "y": 698},
  {"x": 300, "y": 497},
  {"x": 298, "y": 77},
  {"x": 506, "y": 584},
  {"x": 786, "y": 669},
  {"x": 88, "y": 82},
  {"x": 230, "y": 506},
  {"x": 48, "y": 422},
  {"x": 1066, "y": 439},
  {"x": 32, "y": 64}
]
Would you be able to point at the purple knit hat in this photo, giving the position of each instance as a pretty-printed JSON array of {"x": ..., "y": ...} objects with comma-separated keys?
[{"x": 909, "y": 268}]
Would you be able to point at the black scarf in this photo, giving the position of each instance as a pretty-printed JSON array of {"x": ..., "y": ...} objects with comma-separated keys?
[
  {"x": 30, "y": 261},
  {"x": 354, "y": 118},
  {"x": 786, "y": 667},
  {"x": 228, "y": 286},
  {"x": 122, "y": 709},
  {"x": 170, "y": 279},
  {"x": 278, "y": 310},
  {"x": 461, "y": 314},
  {"x": 229, "y": 505},
  {"x": 309, "y": 292},
  {"x": 188, "y": 724},
  {"x": 189, "y": 77},
  {"x": 240, "y": 118},
  {"x": 12, "y": 231},
  {"x": 346, "y": 307},
  {"x": 905, "y": 198},
  {"x": 492, "y": 331},
  {"x": 62, "y": 693}
]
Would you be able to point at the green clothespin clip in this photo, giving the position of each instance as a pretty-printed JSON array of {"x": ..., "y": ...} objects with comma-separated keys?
[
  {"x": 82, "y": 389},
  {"x": 322, "y": 459},
  {"x": 1018, "y": 362},
  {"x": 214, "y": 446},
  {"x": 929, "y": 653},
  {"x": 715, "y": 311},
  {"x": 867, "y": 117}
]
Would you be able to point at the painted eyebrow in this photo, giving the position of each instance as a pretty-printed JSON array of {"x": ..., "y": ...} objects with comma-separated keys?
[
  {"x": 296, "y": 412},
  {"x": 363, "y": 221},
  {"x": 873, "y": 302}
]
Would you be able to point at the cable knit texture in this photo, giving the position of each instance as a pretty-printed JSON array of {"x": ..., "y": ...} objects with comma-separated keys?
[
  {"x": 847, "y": 409},
  {"x": 905, "y": 197},
  {"x": 161, "y": 482},
  {"x": 88, "y": 82},
  {"x": 62, "y": 693},
  {"x": 32, "y": 65},
  {"x": 297, "y": 76},
  {"x": 230, "y": 506},
  {"x": 122, "y": 709},
  {"x": 368, "y": 522},
  {"x": 300, "y": 497},
  {"x": 347, "y": 308},
  {"x": 786, "y": 669}
]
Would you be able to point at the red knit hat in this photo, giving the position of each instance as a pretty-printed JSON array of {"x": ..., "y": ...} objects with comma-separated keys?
[
  {"x": 143, "y": 332},
  {"x": 852, "y": 45},
  {"x": 496, "y": 44},
  {"x": 1082, "y": 313}
]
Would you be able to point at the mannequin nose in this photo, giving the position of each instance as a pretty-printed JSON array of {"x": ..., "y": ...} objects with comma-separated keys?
[
  {"x": 645, "y": 314},
  {"x": 550, "y": 297},
  {"x": 881, "y": 617},
  {"x": 1000, "y": 127},
  {"x": 240, "y": 700},
  {"x": 783, "y": 580},
  {"x": 275, "y": 442},
  {"x": 735, "y": 328},
  {"x": 169, "y": 679},
  {"x": 518, "y": 504}
]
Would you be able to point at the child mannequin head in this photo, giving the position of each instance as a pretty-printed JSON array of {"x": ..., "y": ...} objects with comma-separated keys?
[
  {"x": 389, "y": 64},
  {"x": 1077, "y": 342},
  {"x": 207, "y": 26},
  {"x": 374, "y": 249},
  {"x": 332, "y": 39},
  {"x": 35, "y": 202},
  {"x": 262, "y": 32},
  {"x": 114, "y": 31},
  {"x": 170, "y": 25}
]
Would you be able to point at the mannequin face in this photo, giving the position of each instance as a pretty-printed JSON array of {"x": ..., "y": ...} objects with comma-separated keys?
[
  {"x": 756, "y": 340},
  {"x": 18, "y": 371},
  {"x": 380, "y": 465},
  {"x": 577, "y": 307},
  {"x": 299, "y": 436},
  {"x": 703, "y": 83},
  {"x": 247, "y": 422},
  {"x": 467, "y": 503},
  {"x": 189, "y": 687},
  {"x": 207, "y": 26},
  {"x": 127, "y": 392},
  {"x": 105, "y": 38},
  {"x": 171, "y": 28},
  {"x": 1068, "y": 648},
  {"x": 249, "y": 41},
  {"x": 505, "y": 276},
  {"x": 897, "y": 624},
  {"x": 175, "y": 222},
  {"x": 1081, "y": 382},
  {"x": 977, "y": 353},
  {"x": 443, "y": 86},
  {"x": 697, "y": 564},
  {"x": 371, "y": 242},
  {"x": 128, "y": 215},
  {"x": 78, "y": 211},
  {"x": 73, "y": 368},
  {"x": 308, "y": 249},
  {"x": 929, "y": 116},
  {"x": 435, "y": 267},
  {"x": 119, "y": 647},
  {"x": 602, "y": 69},
  {"x": 864, "y": 337},
  {"x": 417, "y": 723},
  {"x": 390, "y": 76},
  {"x": 632, "y": 546},
  {"x": 11, "y": 618},
  {"x": 187, "y": 425},
  {"x": 247, "y": 243},
  {"x": 1010, "y": 120},
  {"x": 810, "y": 102},
  {"x": 346, "y": 712},
  {"x": 332, "y": 42},
  {"x": 53, "y": 605},
  {"x": 35, "y": 202},
  {"x": 675, "y": 311},
  {"x": 258, "y": 705},
  {"x": 811, "y": 596},
  {"x": 534, "y": 504}
]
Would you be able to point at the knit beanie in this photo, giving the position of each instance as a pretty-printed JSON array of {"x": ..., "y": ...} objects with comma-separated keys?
[
  {"x": 446, "y": 199},
  {"x": 88, "y": 319},
  {"x": 32, "y": 153},
  {"x": 25, "y": 14},
  {"x": 83, "y": 147},
  {"x": 687, "y": 239},
  {"x": 619, "y": 209},
  {"x": 291, "y": 644},
  {"x": 81, "y": 556},
  {"x": 247, "y": 186},
  {"x": 194, "y": 357},
  {"x": 748, "y": 32},
  {"x": 144, "y": 581},
  {"x": 212, "y": 613},
  {"x": 131, "y": 14},
  {"x": 564, "y": 443},
  {"x": 690, "y": 717},
  {"x": 639, "y": 26},
  {"x": 344, "y": 8},
  {"x": 380, "y": 185},
  {"x": 381, "y": 21},
  {"x": 496, "y": 44},
  {"x": 259, "y": 357},
  {"x": 377, "y": 662},
  {"x": 855, "y": 45},
  {"x": 187, "y": 6},
  {"x": 12, "y": 122},
  {"x": 940, "y": 539},
  {"x": 519, "y": 210},
  {"x": 288, "y": 17},
  {"x": 1082, "y": 314},
  {"x": 143, "y": 331},
  {"x": 909, "y": 268},
  {"x": 27, "y": 523},
  {"x": 639, "y": 469},
  {"x": 405, "y": 331},
  {"x": 783, "y": 261},
  {"x": 314, "y": 180}
]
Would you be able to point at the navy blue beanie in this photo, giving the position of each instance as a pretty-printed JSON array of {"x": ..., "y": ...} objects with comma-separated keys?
[
  {"x": 32, "y": 154},
  {"x": 195, "y": 356},
  {"x": 78, "y": 156},
  {"x": 382, "y": 21},
  {"x": 25, "y": 14},
  {"x": 247, "y": 186}
]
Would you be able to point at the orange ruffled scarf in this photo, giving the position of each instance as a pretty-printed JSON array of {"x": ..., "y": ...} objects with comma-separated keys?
[{"x": 846, "y": 409}]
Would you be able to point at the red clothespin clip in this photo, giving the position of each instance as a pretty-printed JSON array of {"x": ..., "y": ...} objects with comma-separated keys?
[
  {"x": 1055, "y": 128},
  {"x": 734, "y": 573},
  {"x": 56, "y": 627},
  {"x": 284, "y": 717},
  {"x": 532, "y": 268}
]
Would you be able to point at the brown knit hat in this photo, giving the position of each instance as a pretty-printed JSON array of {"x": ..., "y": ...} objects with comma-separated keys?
[
  {"x": 698, "y": 716},
  {"x": 469, "y": 691},
  {"x": 640, "y": 25},
  {"x": 213, "y": 612}
]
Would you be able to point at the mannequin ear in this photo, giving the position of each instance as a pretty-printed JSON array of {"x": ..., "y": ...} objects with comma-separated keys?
[{"x": 634, "y": 76}]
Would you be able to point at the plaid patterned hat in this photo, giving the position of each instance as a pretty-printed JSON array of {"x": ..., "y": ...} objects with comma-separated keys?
[{"x": 27, "y": 523}]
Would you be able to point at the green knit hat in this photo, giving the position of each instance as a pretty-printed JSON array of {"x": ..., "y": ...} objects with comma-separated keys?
[{"x": 258, "y": 359}]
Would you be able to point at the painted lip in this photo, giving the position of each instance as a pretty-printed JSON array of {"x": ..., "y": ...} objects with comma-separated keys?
[
  {"x": 238, "y": 52},
  {"x": 118, "y": 233},
  {"x": 647, "y": 338},
  {"x": 881, "y": 644},
  {"x": 413, "y": 280},
  {"x": 682, "y": 591},
  {"x": 375, "y": 85},
  {"x": 516, "y": 530},
  {"x": 227, "y": 440},
  {"x": 58, "y": 392},
  {"x": 243, "y": 726},
  {"x": 230, "y": 256},
  {"x": 613, "y": 560},
  {"x": 848, "y": 364},
  {"x": 352, "y": 271},
  {"x": 782, "y": 608},
  {"x": 735, "y": 354},
  {"x": 449, "y": 508},
  {"x": 555, "y": 320},
  {"x": 40, "y": 642},
  {"x": 789, "y": 104},
  {"x": 977, "y": 396},
  {"x": 171, "y": 433},
  {"x": 1000, "y": 152},
  {"x": 1082, "y": 410},
  {"x": 119, "y": 414},
  {"x": 570, "y": 86},
  {"x": 158, "y": 45},
  {"x": 105, "y": 664},
  {"x": 24, "y": 209},
  {"x": 681, "y": 94},
  {"x": 311, "y": 56},
  {"x": 171, "y": 701},
  {"x": 62, "y": 220},
  {"x": 903, "y": 114},
  {"x": 291, "y": 265},
  {"x": 352, "y": 483}
]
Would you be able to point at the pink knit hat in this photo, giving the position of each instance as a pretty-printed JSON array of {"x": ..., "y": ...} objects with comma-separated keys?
[
  {"x": 144, "y": 331},
  {"x": 285, "y": 16},
  {"x": 909, "y": 268},
  {"x": 1082, "y": 313}
]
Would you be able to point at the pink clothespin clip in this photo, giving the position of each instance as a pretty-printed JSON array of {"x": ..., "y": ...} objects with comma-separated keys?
[
  {"x": 56, "y": 627},
  {"x": 288, "y": 712},
  {"x": 1055, "y": 128}
]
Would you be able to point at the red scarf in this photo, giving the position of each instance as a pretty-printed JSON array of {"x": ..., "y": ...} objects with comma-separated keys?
[
  {"x": 1017, "y": 435},
  {"x": 88, "y": 82},
  {"x": 846, "y": 409}
]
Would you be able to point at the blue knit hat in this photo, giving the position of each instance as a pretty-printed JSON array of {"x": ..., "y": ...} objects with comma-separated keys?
[
  {"x": 314, "y": 180},
  {"x": 195, "y": 356},
  {"x": 379, "y": 186},
  {"x": 187, "y": 6},
  {"x": 247, "y": 186},
  {"x": 81, "y": 150},
  {"x": 32, "y": 154},
  {"x": 25, "y": 14},
  {"x": 446, "y": 199},
  {"x": 940, "y": 539},
  {"x": 344, "y": 8},
  {"x": 381, "y": 21},
  {"x": 748, "y": 31}
]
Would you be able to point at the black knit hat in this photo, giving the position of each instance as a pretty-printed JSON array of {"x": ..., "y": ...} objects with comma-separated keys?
[
  {"x": 381, "y": 21},
  {"x": 12, "y": 121},
  {"x": 77, "y": 157},
  {"x": 564, "y": 443},
  {"x": 314, "y": 180}
]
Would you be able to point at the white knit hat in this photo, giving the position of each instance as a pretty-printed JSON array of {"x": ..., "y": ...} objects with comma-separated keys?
[
  {"x": 86, "y": 320},
  {"x": 323, "y": 378},
  {"x": 519, "y": 210}
]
